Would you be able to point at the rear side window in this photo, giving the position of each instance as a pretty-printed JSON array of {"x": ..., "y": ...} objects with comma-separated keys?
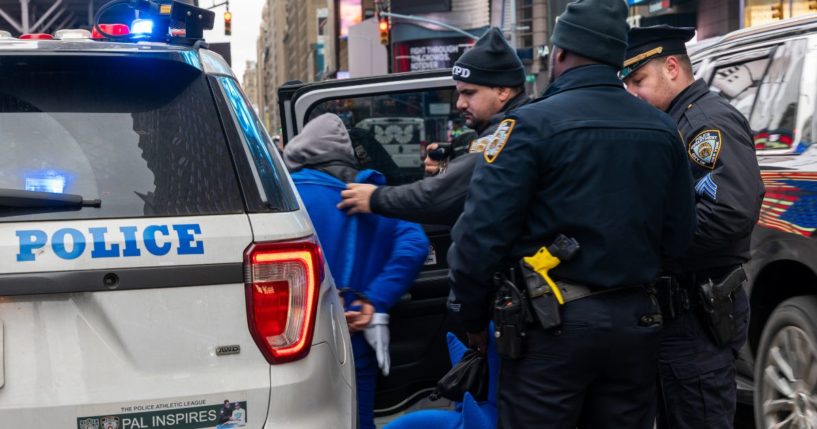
[
  {"x": 140, "y": 134},
  {"x": 775, "y": 115},
  {"x": 738, "y": 82}
]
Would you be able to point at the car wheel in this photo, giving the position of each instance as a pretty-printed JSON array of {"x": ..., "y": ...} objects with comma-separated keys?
[{"x": 786, "y": 367}]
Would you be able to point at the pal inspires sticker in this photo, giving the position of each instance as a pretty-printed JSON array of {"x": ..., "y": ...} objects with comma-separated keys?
[
  {"x": 705, "y": 148},
  {"x": 211, "y": 412},
  {"x": 498, "y": 140}
]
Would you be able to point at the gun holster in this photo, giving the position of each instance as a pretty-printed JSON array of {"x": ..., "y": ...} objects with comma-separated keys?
[
  {"x": 511, "y": 315},
  {"x": 543, "y": 303},
  {"x": 718, "y": 305}
]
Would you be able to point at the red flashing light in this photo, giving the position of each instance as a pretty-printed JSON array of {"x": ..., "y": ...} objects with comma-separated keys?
[
  {"x": 384, "y": 25},
  {"x": 112, "y": 29},
  {"x": 36, "y": 36},
  {"x": 282, "y": 286}
]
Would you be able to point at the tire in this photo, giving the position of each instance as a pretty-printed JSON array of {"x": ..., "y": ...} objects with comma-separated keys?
[{"x": 786, "y": 367}]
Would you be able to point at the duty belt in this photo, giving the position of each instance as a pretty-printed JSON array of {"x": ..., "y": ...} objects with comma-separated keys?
[
  {"x": 679, "y": 294},
  {"x": 574, "y": 292}
]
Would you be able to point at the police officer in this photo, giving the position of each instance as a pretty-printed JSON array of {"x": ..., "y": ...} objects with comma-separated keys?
[
  {"x": 697, "y": 369},
  {"x": 591, "y": 162},
  {"x": 490, "y": 80}
]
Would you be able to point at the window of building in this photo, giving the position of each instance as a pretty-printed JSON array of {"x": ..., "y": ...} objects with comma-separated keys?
[{"x": 524, "y": 23}]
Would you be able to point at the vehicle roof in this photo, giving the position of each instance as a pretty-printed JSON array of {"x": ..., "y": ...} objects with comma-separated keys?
[
  {"x": 87, "y": 46},
  {"x": 788, "y": 27},
  {"x": 210, "y": 62}
]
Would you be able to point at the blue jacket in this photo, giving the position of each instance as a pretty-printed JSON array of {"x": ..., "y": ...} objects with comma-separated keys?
[{"x": 372, "y": 254}]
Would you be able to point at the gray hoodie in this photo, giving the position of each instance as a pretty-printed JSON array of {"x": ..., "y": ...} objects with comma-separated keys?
[{"x": 323, "y": 144}]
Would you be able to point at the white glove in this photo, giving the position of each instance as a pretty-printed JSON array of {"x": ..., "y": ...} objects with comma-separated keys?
[{"x": 377, "y": 335}]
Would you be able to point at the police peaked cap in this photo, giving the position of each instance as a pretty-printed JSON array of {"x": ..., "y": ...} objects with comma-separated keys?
[
  {"x": 491, "y": 62},
  {"x": 647, "y": 43}
]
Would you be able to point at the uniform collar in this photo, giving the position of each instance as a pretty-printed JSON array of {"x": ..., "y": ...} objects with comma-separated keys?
[
  {"x": 518, "y": 100},
  {"x": 686, "y": 98},
  {"x": 584, "y": 76}
]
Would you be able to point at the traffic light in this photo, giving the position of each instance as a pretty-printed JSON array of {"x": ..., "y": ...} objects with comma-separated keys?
[
  {"x": 777, "y": 10},
  {"x": 228, "y": 21},
  {"x": 383, "y": 26}
]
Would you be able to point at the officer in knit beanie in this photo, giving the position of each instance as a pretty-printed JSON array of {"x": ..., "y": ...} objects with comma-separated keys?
[
  {"x": 596, "y": 29},
  {"x": 491, "y": 62},
  {"x": 592, "y": 162}
]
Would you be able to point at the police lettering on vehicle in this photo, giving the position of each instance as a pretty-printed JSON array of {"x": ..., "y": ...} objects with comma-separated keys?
[{"x": 71, "y": 243}]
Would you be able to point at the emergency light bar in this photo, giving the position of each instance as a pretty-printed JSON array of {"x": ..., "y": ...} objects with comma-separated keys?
[{"x": 169, "y": 21}]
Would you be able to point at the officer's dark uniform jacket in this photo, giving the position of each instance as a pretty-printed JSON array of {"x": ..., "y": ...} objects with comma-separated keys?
[
  {"x": 728, "y": 187},
  {"x": 587, "y": 160},
  {"x": 438, "y": 199}
]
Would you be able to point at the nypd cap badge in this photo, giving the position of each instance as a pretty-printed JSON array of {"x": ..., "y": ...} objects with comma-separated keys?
[
  {"x": 498, "y": 140},
  {"x": 705, "y": 148}
]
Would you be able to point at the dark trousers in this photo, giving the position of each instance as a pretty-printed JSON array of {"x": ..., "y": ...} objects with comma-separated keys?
[
  {"x": 696, "y": 377},
  {"x": 365, "y": 377},
  {"x": 596, "y": 371}
]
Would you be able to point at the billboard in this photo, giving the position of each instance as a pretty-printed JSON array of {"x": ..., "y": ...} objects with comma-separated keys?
[
  {"x": 429, "y": 54},
  {"x": 351, "y": 13}
]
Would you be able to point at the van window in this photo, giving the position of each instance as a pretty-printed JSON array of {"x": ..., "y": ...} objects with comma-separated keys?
[
  {"x": 394, "y": 129},
  {"x": 774, "y": 119},
  {"x": 739, "y": 81}
]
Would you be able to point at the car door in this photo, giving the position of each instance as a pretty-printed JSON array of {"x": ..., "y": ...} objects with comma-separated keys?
[{"x": 395, "y": 117}]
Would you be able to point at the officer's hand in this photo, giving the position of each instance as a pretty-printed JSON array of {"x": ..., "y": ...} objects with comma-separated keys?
[
  {"x": 358, "y": 320},
  {"x": 432, "y": 167},
  {"x": 356, "y": 198},
  {"x": 478, "y": 341}
]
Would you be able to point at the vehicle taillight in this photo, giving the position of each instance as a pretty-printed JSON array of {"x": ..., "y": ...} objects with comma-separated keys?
[
  {"x": 36, "y": 36},
  {"x": 282, "y": 285},
  {"x": 110, "y": 29}
]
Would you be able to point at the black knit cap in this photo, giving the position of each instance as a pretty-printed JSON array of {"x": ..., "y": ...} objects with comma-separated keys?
[
  {"x": 596, "y": 29},
  {"x": 491, "y": 62},
  {"x": 648, "y": 43}
]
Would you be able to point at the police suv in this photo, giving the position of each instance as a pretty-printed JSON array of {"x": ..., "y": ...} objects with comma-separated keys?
[
  {"x": 157, "y": 269},
  {"x": 768, "y": 73}
]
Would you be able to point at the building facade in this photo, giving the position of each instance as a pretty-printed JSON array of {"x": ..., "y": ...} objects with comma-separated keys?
[
  {"x": 294, "y": 43},
  {"x": 717, "y": 17},
  {"x": 250, "y": 83}
]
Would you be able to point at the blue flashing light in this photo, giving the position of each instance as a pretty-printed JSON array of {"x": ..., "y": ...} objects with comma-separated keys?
[
  {"x": 141, "y": 27},
  {"x": 46, "y": 181}
]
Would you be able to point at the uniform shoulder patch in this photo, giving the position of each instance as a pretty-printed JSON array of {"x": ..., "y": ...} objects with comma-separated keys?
[
  {"x": 479, "y": 145},
  {"x": 705, "y": 148},
  {"x": 498, "y": 140}
]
